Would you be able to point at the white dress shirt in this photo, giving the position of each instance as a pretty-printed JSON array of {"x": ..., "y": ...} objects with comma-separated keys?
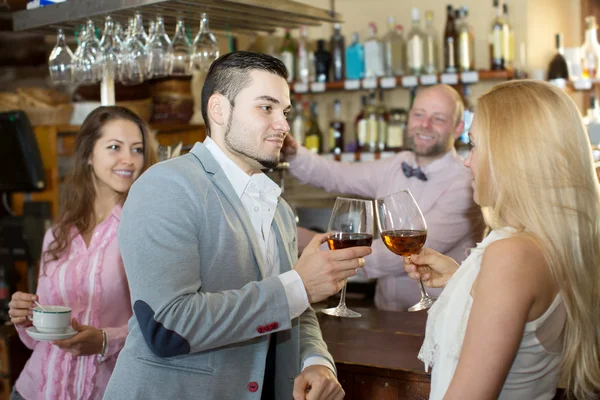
[{"x": 260, "y": 195}]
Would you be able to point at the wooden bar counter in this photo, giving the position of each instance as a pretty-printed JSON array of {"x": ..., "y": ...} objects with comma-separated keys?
[{"x": 376, "y": 355}]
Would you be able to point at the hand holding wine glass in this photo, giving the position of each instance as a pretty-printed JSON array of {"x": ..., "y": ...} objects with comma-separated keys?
[
  {"x": 404, "y": 231},
  {"x": 351, "y": 225},
  {"x": 433, "y": 268},
  {"x": 324, "y": 273}
]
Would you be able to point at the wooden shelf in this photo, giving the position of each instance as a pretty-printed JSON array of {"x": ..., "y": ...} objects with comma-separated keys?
[
  {"x": 403, "y": 81},
  {"x": 249, "y": 16}
]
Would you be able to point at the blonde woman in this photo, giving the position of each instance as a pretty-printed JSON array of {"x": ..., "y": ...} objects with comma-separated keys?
[{"x": 521, "y": 308}]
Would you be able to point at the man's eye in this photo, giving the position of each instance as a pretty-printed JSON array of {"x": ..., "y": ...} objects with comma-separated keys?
[{"x": 267, "y": 108}]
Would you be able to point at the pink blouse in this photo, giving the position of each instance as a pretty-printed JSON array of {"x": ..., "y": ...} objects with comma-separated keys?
[{"x": 92, "y": 282}]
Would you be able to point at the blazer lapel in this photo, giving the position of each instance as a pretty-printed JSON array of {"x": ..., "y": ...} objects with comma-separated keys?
[{"x": 222, "y": 182}]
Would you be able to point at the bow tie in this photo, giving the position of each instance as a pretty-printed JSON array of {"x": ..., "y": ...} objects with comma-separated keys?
[{"x": 410, "y": 171}]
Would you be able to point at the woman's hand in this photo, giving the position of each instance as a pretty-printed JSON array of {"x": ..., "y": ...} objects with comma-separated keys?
[
  {"x": 87, "y": 341},
  {"x": 433, "y": 268},
  {"x": 20, "y": 307}
]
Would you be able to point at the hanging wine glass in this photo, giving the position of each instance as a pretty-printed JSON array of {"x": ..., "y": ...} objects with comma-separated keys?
[
  {"x": 85, "y": 60},
  {"x": 110, "y": 44},
  {"x": 158, "y": 51},
  {"x": 60, "y": 62},
  {"x": 206, "y": 48},
  {"x": 151, "y": 31},
  {"x": 135, "y": 57},
  {"x": 180, "y": 52}
]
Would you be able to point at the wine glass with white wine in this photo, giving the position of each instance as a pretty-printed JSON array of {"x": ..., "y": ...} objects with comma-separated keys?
[{"x": 404, "y": 231}]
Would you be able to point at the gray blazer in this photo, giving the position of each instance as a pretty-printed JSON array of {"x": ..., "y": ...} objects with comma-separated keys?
[{"x": 203, "y": 308}]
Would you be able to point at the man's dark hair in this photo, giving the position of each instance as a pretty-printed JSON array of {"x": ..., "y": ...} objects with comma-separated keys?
[{"x": 230, "y": 74}]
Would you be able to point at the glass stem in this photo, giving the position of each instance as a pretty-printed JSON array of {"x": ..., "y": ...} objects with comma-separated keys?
[
  {"x": 424, "y": 294},
  {"x": 342, "y": 298}
]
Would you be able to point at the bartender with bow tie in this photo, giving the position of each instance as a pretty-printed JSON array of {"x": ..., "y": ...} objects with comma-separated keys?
[{"x": 433, "y": 172}]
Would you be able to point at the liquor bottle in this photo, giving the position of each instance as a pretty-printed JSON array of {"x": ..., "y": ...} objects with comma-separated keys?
[
  {"x": 558, "y": 68},
  {"x": 336, "y": 130},
  {"x": 394, "y": 47},
  {"x": 396, "y": 129},
  {"x": 299, "y": 121},
  {"x": 382, "y": 123},
  {"x": 314, "y": 137},
  {"x": 374, "y": 62},
  {"x": 463, "y": 143},
  {"x": 466, "y": 42},
  {"x": 355, "y": 59},
  {"x": 302, "y": 59},
  {"x": 338, "y": 54},
  {"x": 415, "y": 43},
  {"x": 509, "y": 39},
  {"x": 322, "y": 62},
  {"x": 288, "y": 55},
  {"x": 497, "y": 61},
  {"x": 430, "y": 51},
  {"x": 450, "y": 40},
  {"x": 372, "y": 125},
  {"x": 590, "y": 51},
  {"x": 360, "y": 126}
]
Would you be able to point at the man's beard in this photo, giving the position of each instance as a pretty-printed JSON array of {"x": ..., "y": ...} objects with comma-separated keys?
[
  {"x": 436, "y": 149},
  {"x": 266, "y": 163}
]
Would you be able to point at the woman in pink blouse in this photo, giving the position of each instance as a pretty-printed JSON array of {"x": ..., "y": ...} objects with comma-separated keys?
[{"x": 81, "y": 264}]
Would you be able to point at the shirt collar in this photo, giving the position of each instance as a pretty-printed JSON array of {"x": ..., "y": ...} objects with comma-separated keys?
[
  {"x": 439, "y": 164},
  {"x": 116, "y": 211},
  {"x": 238, "y": 178}
]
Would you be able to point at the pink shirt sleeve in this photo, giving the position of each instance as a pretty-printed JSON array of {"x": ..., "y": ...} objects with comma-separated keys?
[{"x": 360, "y": 179}]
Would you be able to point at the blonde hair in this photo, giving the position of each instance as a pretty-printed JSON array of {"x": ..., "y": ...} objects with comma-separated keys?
[{"x": 535, "y": 167}]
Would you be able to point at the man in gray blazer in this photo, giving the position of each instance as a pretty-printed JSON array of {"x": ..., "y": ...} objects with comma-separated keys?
[{"x": 220, "y": 299}]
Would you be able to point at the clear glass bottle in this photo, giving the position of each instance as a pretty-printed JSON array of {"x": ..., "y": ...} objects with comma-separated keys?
[
  {"x": 158, "y": 51},
  {"x": 60, "y": 62},
  {"x": 394, "y": 46},
  {"x": 355, "y": 59},
  {"x": 288, "y": 55},
  {"x": 372, "y": 125},
  {"x": 415, "y": 45},
  {"x": 590, "y": 51},
  {"x": 181, "y": 52},
  {"x": 450, "y": 42},
  {"x": 322, "y": 62},
  {"x": 314, "y": 136},
  {"x": 360, "y": 127},
  {"x": 466, "y": 42},
  {"x": 206, "y": 48},
  {"x": 338, "y": 54},
  {"x": 374, "y": 54},
  {"x": 302, "y": 59},
  {"x": 430, "y": 52},
  {"x": 135, "y": 57}
]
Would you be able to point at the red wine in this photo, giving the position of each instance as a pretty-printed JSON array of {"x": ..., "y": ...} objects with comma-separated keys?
[
  {"x": 339, "y": 241},
  {"x": 404, "y": 242}
]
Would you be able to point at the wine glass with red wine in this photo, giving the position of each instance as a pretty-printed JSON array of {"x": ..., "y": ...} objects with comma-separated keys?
[
  {"x": 350, "y": 225},
  {"x": 404, "y": 231}
]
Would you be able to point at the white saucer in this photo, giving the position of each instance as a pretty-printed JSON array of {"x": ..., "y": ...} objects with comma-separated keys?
[{"x": 31, "y": 331}]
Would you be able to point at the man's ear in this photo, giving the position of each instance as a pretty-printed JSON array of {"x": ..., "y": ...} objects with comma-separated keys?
[
  {"x": 459, "y": 129},
  {"x": 218, "y": 109}
]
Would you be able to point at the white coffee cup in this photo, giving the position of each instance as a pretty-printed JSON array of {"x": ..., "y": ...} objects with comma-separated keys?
[{"x": 52, "y": 319}]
